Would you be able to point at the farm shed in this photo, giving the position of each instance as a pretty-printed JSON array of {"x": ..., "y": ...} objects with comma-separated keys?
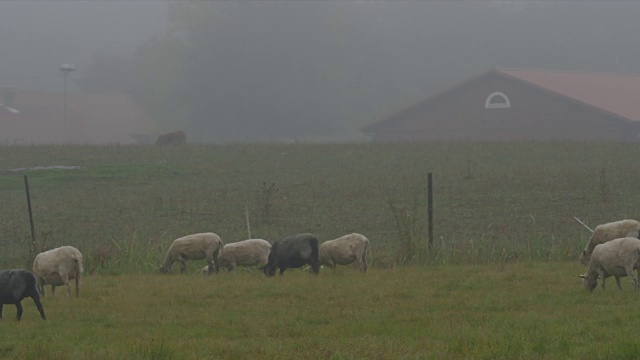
[
  {"x": 39, "y": 118},
  {"x": 517, "y": 104}
]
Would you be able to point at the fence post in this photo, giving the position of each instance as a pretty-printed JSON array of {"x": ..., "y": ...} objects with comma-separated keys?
[
  {"x": 430, "y": 211},
  {"x": 33, "y": 233}
]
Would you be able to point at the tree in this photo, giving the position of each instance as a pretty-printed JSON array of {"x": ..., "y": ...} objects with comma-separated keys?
[{"x": 107, "y": 73}]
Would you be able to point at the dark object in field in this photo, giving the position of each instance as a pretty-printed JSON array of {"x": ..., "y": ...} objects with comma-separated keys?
[
  {"x": 293, "y": 252},
  {"x": 16, "y": 285},
  {"x": 177, "y": 137}
]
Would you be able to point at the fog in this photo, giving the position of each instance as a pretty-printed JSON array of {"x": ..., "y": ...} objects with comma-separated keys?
[
  {"x": 229, "y": 71},
  {"x": 36, "y": 37}
]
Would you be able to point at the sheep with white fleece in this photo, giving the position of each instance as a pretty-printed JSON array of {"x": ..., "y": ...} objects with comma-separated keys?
[
  {"x": 58, "y": 267},
  {"x": 345, "y": 250},
  {"x": 251, "y": 252},
  {"x": 194, "y": 247},
  {"x": 607, "y": 232},
  {"x": 616, "y": 258}
]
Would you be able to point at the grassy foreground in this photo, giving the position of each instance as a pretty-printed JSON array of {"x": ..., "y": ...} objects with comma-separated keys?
[{"x": 498, "y": 311}]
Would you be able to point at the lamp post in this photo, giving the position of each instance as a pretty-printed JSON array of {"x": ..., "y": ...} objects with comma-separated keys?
[{"x": 65, "y": 69}]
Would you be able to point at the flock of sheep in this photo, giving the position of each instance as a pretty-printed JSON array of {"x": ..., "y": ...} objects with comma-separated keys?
[
  {"x": 612, "y": 250},
  {"x": 61, "y": 265},
  {"x": 293, "y": 251}
]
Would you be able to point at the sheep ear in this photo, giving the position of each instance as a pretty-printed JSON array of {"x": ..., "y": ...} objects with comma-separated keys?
[{"x": 581, "y": 276}]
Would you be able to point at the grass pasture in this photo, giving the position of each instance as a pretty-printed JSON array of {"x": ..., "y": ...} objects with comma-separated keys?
[
  {"x": 492, "y": 202},
  {"x": 501, "y": 281},
  {"x": 497, "y": 311}
]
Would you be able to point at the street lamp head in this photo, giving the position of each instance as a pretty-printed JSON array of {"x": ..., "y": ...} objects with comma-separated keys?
[{"x": 67, "y": 68}]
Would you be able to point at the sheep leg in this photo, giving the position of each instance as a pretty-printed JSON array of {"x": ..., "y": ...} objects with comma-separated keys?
[
  {"x": 183, "y": 266},
  {"x": 1, "y": 311},
  {"x": 618, "y": 283},
  {"x": 40, "y": 287},
  {"x": 66, "y": 282},
  {"x": 53, "y": 291},
  {"x": 210, "y": 262},
  {"x": 330, "y": 263},
  {"x": 632, "y": 276},
  {"x": 36, "y": 300},
  {"x": 19, "y": 308},
  {"x": 601, "y": 275},
  {"x": 78, "y": 284},
  {"x": 315, "y": 267}
]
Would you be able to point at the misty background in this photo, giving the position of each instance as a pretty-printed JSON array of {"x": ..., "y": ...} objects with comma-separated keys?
[{"x": 262, "y": 71}]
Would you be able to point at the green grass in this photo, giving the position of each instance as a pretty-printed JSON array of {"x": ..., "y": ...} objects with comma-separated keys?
[
  {"x": 501, "y": 282},
  {"x": 498, "y": 311}
]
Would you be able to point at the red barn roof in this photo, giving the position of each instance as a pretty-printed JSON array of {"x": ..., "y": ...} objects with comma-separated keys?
[
  {"x": 39, "y": 118},
  {"x": 617, "y": 94}
]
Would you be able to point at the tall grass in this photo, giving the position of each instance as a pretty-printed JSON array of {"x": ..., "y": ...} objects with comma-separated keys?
[{"x": 493, "y": 202}]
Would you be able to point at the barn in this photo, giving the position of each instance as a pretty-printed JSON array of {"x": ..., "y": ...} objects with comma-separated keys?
[
  {"x": 47, "y": 118},
  {"x": 521, "y": 104}
]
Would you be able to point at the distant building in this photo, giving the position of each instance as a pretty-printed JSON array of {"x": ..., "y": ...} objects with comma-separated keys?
[
  {"x": 39, "y": 118},
  {"x": 514, "y": 104}
]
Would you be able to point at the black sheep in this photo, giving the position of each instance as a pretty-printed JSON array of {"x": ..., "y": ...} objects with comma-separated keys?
[
  {"x": 293, "y": 252},
  {"x": 16, "y": 285}
]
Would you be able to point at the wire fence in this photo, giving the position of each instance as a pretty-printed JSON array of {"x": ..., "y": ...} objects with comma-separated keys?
[{"x": 488, "y": 203}]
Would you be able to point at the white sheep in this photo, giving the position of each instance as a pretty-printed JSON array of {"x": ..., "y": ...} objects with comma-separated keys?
[
  {"x": 609, "y": 231},
  {"x": 194, "y": 247},
  {"x": 618, "y": 258},
  {"x": 58, "y": 267},
  {"x": 251, "y": 252},
  {"x": 345, "y": 250}
]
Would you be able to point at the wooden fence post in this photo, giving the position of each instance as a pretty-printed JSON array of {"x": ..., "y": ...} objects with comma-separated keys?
[
  {"x": 430, "y": 211},
  {"x": 33, "y": 233}
]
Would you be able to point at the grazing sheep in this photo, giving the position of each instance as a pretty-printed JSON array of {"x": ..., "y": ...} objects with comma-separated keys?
[
  {"x": 293, "y": 252},
  {"x": 606, "y": 232},
  {"x": 252, "y": 252},
  {"x": 58, "y": 267},
  {"x": 616, "y": 258},
  {"x": 16, "y": 285},
  {"x": 345, "y": 250},
  {"x": 194, "y": 247},
  {"x": 177, "y": 137}
]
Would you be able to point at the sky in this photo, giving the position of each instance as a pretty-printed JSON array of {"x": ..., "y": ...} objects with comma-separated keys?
[{"x": 36, "y": 37}]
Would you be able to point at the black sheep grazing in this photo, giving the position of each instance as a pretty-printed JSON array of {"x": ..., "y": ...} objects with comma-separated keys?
[
  {"x": 293, "y": 252},
  {"x": 16, "y": 285},
  {"x": 177, "y": 137}
]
